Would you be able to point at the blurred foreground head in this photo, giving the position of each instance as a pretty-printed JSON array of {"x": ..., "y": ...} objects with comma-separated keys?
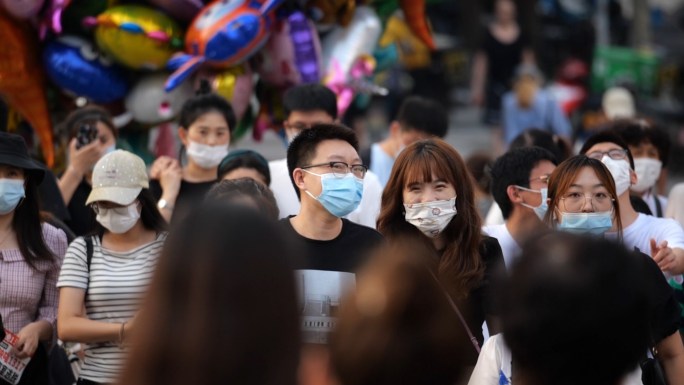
[
  {"x": 398, "y": 328},
  {"x": 574, "y": 312},
  {"x": 222, "y": 305}
]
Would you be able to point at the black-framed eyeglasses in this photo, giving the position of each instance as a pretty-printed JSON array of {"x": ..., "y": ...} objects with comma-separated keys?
[
  {"x": 542, "y": 178},
  {"x": 616, "y": 154},
  {"x": 341, "y": 169}
]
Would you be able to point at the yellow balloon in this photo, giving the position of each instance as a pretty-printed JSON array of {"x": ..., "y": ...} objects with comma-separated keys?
[
  {"x": 138, "y": 37},
  {"x": 224, "y": 82}
]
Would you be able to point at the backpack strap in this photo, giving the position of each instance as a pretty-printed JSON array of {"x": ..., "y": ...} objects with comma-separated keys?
[{"x": 89, "y": 251}]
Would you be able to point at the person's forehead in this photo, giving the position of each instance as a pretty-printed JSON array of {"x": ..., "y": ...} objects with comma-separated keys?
[
  {"x": 334, "y": 149},
  {"x": 604, "y": 146}
]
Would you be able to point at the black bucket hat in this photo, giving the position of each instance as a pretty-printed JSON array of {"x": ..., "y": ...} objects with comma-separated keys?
[{"x": 13, "y": 152}]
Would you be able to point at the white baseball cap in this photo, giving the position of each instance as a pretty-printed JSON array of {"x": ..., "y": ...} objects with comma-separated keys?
[
  {"x": 618, "y": 103},
  {"x": 118, "y": 177}
]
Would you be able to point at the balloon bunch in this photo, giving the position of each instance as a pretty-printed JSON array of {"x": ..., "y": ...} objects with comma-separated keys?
[{"x": 147, "y": 56}]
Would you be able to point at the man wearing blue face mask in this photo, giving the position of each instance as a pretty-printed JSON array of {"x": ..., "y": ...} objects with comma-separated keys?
[
  {"x": 662, "y": 239},
  {"x": 327, "y": 173},
  {"x": 519, "y": 186}
]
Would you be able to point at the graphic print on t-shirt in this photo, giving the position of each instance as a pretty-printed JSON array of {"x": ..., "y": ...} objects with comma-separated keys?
[{"x": 319, "y": 294}]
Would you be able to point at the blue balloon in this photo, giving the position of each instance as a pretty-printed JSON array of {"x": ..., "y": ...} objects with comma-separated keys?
[{"x": 74, "y": 65}]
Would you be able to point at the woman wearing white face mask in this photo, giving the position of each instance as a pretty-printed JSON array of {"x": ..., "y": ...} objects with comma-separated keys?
[
  {"x": 31, "y": 253},
  {"x": 107, "y": 274},
  {"x": 92, "y": 134},
  {"x": 429, "y": 198},
  {"x": 205, "y": 125},
  {"x": 583, "y": 199}
]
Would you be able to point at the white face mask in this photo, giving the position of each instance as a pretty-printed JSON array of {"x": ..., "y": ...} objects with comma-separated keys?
[
  {"x": 431, "y": 218},
  {"x": 619, "y": 169},
  {"x": 119, "y": 220},
  {"x": 648, "y": 172},
  {"x": 207, "y": 156}
]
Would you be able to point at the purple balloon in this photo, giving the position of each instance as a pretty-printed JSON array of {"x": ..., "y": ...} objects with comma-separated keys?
[
  {"x": 22, "y": 9},
  {"x": 183, "y": 10},
  {"x": 306, "y": 48}
]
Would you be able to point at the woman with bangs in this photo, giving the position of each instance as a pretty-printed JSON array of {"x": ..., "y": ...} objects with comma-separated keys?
[
  {"x": 429, "y": 199},
  {"x": 583, "y": 199}
]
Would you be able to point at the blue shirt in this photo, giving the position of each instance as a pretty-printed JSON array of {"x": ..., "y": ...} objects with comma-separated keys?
[{"x": 544, "y": 114}]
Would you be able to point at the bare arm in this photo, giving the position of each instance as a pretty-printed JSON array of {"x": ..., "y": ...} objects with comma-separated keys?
[
  {"x": 477, "y": 83},
  {"x": 671, "y": 356},
  {"x": 73, "y": 325}
]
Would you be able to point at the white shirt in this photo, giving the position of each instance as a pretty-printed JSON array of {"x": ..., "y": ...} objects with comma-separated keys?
[
  {"x": 510, "y": 248},
  {"x": 288, "y": 204},
  {"x": 381, "y": 163},
  {"x": 650, "y": 200},
  {"x": 647, "y": 227},
  {"x": 494, "y": 216}
]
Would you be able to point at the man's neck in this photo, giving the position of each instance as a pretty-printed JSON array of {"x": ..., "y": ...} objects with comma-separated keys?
[
  {"x": 316, "y": 223},
  {"x": 627, "y": 213},
  {"x": 523, "y": 226}
]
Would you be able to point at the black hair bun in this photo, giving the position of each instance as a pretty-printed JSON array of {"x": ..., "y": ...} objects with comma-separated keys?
[{"x": 204, "y": 88}]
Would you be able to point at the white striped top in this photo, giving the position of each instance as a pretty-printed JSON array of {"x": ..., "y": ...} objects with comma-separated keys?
[{"x": 115, "y": 286}]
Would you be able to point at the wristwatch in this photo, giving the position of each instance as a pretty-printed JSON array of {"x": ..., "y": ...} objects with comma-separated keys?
[{"x": 163, "y": 204}]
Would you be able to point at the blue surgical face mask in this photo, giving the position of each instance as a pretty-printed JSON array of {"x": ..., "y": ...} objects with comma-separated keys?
[
  {"x": 543, "y": 207},
  {"x": 110, "y": 149},
  {"x": 340, "y": 196},
  {"x": 11, "y": 193},
  {"x": 587, "y": 223}
]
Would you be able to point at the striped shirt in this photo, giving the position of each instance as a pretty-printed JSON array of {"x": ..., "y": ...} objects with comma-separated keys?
[
  {"x": 115, "y": 285},
  {"x": 28, "y": 295}
]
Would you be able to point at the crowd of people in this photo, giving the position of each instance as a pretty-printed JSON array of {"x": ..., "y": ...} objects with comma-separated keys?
[{"x": 399, "y": 264}]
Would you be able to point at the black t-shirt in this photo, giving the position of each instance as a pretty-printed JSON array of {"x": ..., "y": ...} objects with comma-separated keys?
[
  {"x": 81, "y": 217},
  {"x": 502, "y": 58},
  {"x": 345, "y": 253},
  {"x": 189, "y": 196},
  {"x": 664, "y": 310}
]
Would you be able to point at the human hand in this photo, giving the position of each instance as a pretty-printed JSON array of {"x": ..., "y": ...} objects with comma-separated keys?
[
  {"x": 83, "y": 159},
  {"x": 170, "y": 177},
  {"x": 664, "y": 256},
  {"x": 29, "y": 338}
]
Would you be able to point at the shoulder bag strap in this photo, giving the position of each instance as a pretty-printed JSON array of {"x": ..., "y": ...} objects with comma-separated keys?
[
  {"x": 659, "y": 207},
  {"x": 89, "y": 259},
  {"x": 473, "y": 340}
]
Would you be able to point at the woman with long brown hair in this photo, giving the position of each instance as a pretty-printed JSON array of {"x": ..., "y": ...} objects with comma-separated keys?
[{"x": 429, "y": 198}]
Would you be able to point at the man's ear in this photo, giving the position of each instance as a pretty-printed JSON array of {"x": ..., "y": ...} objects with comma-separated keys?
[
  {"x": 513, "y": 194},
  {"x": 633, "y": 178},
  {"x": 298, "y": 176}
]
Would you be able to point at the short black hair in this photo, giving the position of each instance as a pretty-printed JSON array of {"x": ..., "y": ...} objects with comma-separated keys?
[
  {"x": 544, "y": 139},
  {"x": 424, "y": 115},
  {"x": 607, "y": 136},
  {"x": 228, "y": 190},
  {"x": 203, "y": 102},
  {"x": 244, "y": 158},
  {"x": 637, "y": 132},
  {"x": 303, "y": 146},
  {"x": 567, "y": 292},
  {"x": 514, "y": 168},
  {"x": 310, "y": 97}
]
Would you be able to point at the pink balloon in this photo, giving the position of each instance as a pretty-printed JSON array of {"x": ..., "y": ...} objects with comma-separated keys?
[
  {"x": 183, "y": 10},
  {"x": 22, "y": 9}
]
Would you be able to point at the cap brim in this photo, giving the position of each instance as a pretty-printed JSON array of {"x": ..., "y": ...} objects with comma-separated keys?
[
  {"x": 25, "y": 164},
  {"x": 619, "y": 112},
  {"x": 120, "y": 195}
]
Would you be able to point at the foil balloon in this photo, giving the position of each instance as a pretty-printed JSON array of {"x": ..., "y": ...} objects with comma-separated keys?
[
  {"x": 79, "y": 10},
  {"x": 183, "y": 10},
  {"x": 329, "y": 13},
  {"x": 52, "y": 20},
  {"x": 136, "y": 36},
  {"x": 224, "y": 34},
  {"x": 346, "y": 86},
  {"x": 292, "y": 54},
  {"x": 74, "y": 65},
  {"x": 22, "y": 80},
  {"x": 150, "y": 104},
  {"x": 22, "y": 9},
  {"x": 414, "y": 14},
  {"x": 235, "y": 84}
]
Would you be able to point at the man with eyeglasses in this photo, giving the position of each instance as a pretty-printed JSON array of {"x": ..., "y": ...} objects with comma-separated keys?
[
  {"x": 519, "y": 187},
  {"x": 662, "y": 238},
  {"x": 306, "y": 105},
  {"x": 326, "y": 171}
]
